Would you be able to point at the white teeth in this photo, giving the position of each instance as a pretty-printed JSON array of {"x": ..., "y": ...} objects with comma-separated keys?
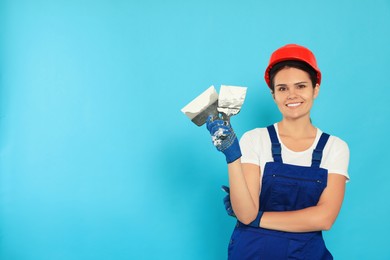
[{"x": 293, "y": 104}]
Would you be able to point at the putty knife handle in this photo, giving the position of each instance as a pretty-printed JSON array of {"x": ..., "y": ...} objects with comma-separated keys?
[{"x": 225, "y": 117}]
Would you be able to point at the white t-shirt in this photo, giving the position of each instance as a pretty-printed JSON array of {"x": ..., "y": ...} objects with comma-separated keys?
[{"x": 256, "y": 149}]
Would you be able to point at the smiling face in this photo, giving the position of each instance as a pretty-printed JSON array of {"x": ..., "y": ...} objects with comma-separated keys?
[{"x": 294, "y": 93}]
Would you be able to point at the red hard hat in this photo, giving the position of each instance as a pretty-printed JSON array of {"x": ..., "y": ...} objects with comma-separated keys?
[{"x": 292, "y": 52}]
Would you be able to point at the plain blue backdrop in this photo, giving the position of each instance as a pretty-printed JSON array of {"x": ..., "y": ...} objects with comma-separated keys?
[{"x": 97, "y": 160}]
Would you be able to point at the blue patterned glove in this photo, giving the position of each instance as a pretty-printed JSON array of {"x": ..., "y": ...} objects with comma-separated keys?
[
  {"x": 227, "y": 203},
  {"x": 224, "y": 138}
]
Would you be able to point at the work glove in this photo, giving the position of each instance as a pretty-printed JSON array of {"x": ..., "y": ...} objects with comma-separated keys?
[
  {"x": 227, "y": 203},
  {"x": 224, "y": 138}
]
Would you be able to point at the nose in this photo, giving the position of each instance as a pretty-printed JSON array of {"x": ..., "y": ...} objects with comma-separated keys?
[{"x": 291, "y": 93}]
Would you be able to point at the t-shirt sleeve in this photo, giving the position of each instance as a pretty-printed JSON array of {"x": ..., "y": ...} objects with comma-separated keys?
[
  {"x": 338, "y": 160},
  {"x": 249, "y": 155}
]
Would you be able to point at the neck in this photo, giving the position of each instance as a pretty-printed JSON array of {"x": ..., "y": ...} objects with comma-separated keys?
[{"x": 297, "y": 128}]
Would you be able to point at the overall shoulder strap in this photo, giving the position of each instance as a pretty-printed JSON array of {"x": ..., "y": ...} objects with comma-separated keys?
[
  {"x": 317, "y": 153},
  {"x": 276, "y": 147}
]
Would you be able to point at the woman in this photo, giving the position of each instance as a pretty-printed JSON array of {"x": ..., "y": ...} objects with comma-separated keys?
[{"x": 287, "y": 181}]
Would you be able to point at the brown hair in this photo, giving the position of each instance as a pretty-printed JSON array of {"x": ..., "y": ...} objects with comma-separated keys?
[{"x": 292, "y": 64}]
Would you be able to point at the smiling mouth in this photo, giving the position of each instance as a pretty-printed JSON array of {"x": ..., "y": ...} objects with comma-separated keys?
[{"x": 294, "y": 104}]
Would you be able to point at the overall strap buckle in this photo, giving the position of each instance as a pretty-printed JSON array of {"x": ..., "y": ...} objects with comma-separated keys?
[
  {"x": 276, "y": 147},
  {"x": 318, "y": 151}
]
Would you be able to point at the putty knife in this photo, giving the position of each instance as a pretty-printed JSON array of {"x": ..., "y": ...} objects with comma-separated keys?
[
  {"x": 203, "y": 106},
  {"x": 230, "y": 100}
]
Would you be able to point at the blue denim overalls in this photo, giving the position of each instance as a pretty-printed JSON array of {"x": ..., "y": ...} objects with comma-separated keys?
[{"x": 284, "y": 187}]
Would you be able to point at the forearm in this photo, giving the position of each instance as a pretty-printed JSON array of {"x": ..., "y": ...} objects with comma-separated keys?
[
  {"x": 245, "y": 204},
  {"x": 244, "y": 178},
  {"x": 305, "y": 220}
]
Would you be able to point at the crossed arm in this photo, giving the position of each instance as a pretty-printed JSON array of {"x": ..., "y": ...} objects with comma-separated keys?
[{"x": 244, "y": 181}]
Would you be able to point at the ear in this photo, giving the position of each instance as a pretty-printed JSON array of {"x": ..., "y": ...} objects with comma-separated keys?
[
  {"x": 316, "y": 90},
  {"x": 273, "y": 94}
]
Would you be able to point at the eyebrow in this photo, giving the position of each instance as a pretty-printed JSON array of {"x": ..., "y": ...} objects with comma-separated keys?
[
  {"x": 301, "y": 82},
  {"x": 298, "y": 83}
]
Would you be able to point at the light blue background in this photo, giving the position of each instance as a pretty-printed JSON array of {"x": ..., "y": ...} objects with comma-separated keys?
[{"x": 98, "y": 162}]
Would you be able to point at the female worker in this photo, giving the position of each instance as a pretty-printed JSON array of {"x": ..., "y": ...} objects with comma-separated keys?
[{"x": 287, "y": 181}]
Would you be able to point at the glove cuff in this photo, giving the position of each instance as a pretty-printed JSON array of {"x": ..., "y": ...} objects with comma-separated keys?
[{"x": 233, "y": 152}]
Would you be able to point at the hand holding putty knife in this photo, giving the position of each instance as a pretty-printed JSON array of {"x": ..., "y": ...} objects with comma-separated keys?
[{"x": 216, "y": 110}]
